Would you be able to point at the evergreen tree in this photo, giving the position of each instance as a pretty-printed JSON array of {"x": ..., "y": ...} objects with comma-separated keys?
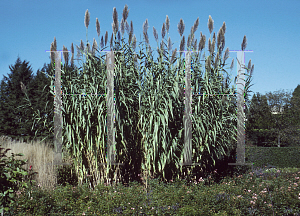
[
  {"x": 16, "y": 115},
  {"x": 11, "y": 98},
  {"x": 258, "y": 119},
  {"x": 41, "y": 102},
  {"x": 292, "y": 111},
  {"x": 38, "y": 97}
]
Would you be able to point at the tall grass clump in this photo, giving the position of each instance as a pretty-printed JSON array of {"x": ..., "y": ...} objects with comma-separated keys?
[{"x": 148, "y": 118}]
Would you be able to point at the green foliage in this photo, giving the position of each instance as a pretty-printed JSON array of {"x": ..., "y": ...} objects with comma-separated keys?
[
  {"x": 149, "y": 129},
  {"x": 16, "y": 119},
  {"x": 11, "y": 174},
  {"x": 262, "y": 126},
  {"x": 258, "y": 117},
  {"x": 257, "y": 191}
]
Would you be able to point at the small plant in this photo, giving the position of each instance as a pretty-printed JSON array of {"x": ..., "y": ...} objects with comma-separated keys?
[
  {"x": 11, "y": 173},
  {"x": 272, "y": 170}
]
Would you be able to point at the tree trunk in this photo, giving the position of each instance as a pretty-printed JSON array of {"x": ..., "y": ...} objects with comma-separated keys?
[{"x": 279, "y": 140}]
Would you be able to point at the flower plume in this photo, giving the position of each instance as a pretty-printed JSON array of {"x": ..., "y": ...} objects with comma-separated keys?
[
  {"x": 244, "y": 43},
  {"x": 98, "y": 27},
  {"x": 210, "y": 24},
  {"x": 87, "y": 18}
]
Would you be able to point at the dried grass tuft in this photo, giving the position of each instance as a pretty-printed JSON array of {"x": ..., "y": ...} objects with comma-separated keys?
[
  {"x": 155, "y": 34},
  {"x": 163, "y": 30},
  {"x": 98, "y": 27},
  {"x": 87, "y": 18},
  {"x": 167, "y": 23},
  {"x": 244, "y": 43},
  {"x": 181, "y": 27},
  {"x": 115, "y": 25},
  {"x": 210, "y": 24}
]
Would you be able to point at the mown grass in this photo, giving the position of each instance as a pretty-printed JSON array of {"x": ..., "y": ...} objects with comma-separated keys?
[{"x": 259, "y": 192}]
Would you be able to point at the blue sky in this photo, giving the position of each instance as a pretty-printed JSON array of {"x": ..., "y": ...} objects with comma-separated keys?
[{"x": 271, "y": 27}]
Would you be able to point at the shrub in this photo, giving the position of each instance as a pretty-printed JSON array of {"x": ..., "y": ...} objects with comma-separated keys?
[{"x": 11, "y": 173}]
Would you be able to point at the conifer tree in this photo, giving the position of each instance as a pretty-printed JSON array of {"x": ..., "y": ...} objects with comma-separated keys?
[
  {"x": 259, "y": 117},
  {"x": 11, "y": 98}
]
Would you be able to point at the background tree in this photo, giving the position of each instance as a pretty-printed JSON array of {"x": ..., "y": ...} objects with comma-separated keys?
[
  {"x": 41, "y": 102},
  {"x": 284, "y": 126},
  {"x": 39, "y": 99},
  {"x": 11, "y": 98},
  {"x": 258, "y": 119},
  {"x": 294, "y": 106},
  {"x": 15, "y": 116},
  {"x": 292, "y": 113}
]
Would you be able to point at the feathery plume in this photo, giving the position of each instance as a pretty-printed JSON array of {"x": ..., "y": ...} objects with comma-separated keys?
[
  {"x": 125, "y": 12},
  {"x": 188, "y": 41},
  {"x": 220, "y": 43},
  {"x": 167, "y": 23},
  {"x": 226, "y": 55},
  {"x": 55, "y": 45},
  {"x": 195, "y": 45},
  {"x": 131, "y": 27},
  {"x": 134, "y": 42},
  {"x": 127, "y": 27},
  {"x": 80, "y": 49},
  {"x": 192, "y": 34},
  {"x": 102, "y": 42},
  {"x": 95, "y": 45},
  {"x": 210, "y": 46},
  {"x": 249, "y": 66},
  {"x": 23, "y": 87},
  {"x": 202, "y": 42},
  {"x": 53, "y": 48},
  {"x": 208, "y": 63},
  {"x": 115, "y": 25},
  {"x": 130, "y": 33},
  {"x": 155, "y": 34},
  {"x": 232, "y": 64},
  {"x": 129, "y": 37},
  {"x": 87, "y": 18},
  {"x": 149, "y": 49},
  {"x": 224, "y": 27},
  {"x": 72, "y": 51},
  {"x": 181, "y": 27},
  {"x": 161, "y": 46},
  {"x": 52, "y": 54},
  {"x": 145, "y": 26},
  {"x": 146, "y": 37},
  {"x": 82, "y": 46},
  {"x": 173, "y": 55},
  {"x": 195, "y": 27},
  {"x": 252, "y": 69},
  {"x": 163, "y": 31},
  {"x": 122, "y": 26},
  {"x": 169, "y": 44},
  {"x": 244, "y": 43},
  {"x": 216, "y": 60},
  {"x": 98, "y": 27},
  {"x": 106, "y": 37},
  {"x": 210, "y": 24},
  {"x": 65, "y": 54},
  {"x": 119, "y": 36},
  {"x": 213, "y": 42},
  {"x": 111, "y": 40},
  {"x": 182, "y": 44}
]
